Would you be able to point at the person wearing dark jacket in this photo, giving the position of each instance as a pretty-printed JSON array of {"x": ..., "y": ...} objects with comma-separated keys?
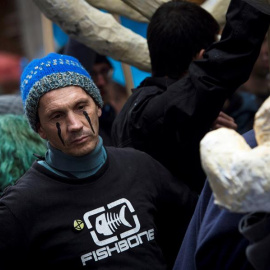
[
  {"x": 83, "y": 205},
  {"x": 170, "y": 112}
]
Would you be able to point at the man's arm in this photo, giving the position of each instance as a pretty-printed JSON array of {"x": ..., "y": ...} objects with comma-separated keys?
[
  {"x": 226, "y": 65},
  {"x": 12, "y": 240}
]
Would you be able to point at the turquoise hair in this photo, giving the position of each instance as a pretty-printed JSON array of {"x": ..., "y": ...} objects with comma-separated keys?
[{"x": 18, "y": 143}]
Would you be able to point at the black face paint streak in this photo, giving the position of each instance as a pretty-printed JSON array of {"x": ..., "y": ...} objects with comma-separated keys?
[
  {"x": 59, "y": 133},
  {"x": 89, "y": 121}
]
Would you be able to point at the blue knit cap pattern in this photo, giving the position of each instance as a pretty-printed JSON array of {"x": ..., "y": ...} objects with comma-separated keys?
[{"x": 50, "y": 73}]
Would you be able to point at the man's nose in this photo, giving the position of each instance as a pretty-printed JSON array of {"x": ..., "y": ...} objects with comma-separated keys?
[
  {"x": 74, "y": 122},
  {"x": 101, "y": 81}
]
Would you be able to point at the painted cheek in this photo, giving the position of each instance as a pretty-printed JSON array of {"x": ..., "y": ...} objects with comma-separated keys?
[
  {"x": 58, "y": 126},
  {"x": 89, "y": 120}
]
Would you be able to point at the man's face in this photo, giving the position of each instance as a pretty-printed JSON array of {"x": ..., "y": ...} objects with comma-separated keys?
[
  {"x": 261, "y": 66},
  {"x": 69, "y": 120},
  {"x": 101, "y": 74}
]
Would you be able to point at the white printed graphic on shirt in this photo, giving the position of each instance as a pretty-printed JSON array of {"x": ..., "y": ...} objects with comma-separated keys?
[
  {"x": 114, "y": 228},
  {"x": 108, "y": 222}
]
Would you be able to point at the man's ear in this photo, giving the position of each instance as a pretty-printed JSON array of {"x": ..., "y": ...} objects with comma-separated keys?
[
  {"x": 41, "y": 132},
  {"x": 199, "y": 55},
  {"x": 99, "y": 112}
]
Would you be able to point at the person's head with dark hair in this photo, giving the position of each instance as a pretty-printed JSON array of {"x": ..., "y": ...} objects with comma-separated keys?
[
  {"x": 18, "y": 144},
  {"x": 83, "y": 53},
  {"x": 101, "y": 73},
  {"x": 100, "y": 59},
  {"x": 177, "y": 33}
]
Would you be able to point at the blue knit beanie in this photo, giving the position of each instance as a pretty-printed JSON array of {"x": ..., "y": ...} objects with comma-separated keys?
[{"x": 49, "y": 73}]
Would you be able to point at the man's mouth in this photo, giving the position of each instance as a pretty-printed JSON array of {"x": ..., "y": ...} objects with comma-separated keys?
[{"x": 79, "y": 140}]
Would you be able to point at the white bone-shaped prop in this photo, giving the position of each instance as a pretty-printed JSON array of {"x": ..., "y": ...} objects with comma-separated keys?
[
  {"x": 98, "y": 30},
  {"x": 217, "y": 8},
  {"x": 119, "y": 8},
  {"x": 103, "y": 33},
  {"x": 238, "y": 175},
  {"x": 146, "y": 8}
]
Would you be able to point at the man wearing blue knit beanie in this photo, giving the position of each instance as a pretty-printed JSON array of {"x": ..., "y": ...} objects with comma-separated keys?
[{"x": 83, "y": 205}]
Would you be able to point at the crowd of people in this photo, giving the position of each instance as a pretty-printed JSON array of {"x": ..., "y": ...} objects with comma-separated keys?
[{"x": 92, "y": 178}]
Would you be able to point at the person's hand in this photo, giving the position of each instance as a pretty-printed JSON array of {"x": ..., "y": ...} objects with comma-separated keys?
[{"x": 224, "y": 120}]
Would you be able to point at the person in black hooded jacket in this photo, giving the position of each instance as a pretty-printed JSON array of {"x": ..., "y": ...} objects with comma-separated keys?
[{"x": 192, "y": 76}]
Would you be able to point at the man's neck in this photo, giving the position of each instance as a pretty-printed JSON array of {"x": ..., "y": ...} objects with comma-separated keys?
[
  {"x": 257, "y": 85},
  {"x": 80, "y": 167}
]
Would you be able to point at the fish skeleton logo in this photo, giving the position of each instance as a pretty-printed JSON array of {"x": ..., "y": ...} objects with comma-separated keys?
[{"x": 104, "y": 223}]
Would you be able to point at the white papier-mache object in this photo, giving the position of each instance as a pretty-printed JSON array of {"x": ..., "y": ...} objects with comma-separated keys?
[
  {"x": 238, "y": 175},
  {"x": 83, "y": 21}
]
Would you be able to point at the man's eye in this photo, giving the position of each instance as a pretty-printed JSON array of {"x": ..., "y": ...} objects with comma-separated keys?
[
  {"x": 56, "y": 116},
  {"x": 81, "y": 107}
]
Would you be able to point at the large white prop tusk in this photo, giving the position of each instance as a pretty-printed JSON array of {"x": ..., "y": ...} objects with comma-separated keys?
[
  {"x": 238, "y": 175},
  {"x": 98, "y": 30},
  {"x": 146, "y": 8},
  {"x": 217, "y": 8},
  {"x": 101, "y": 32},
  {"x": 119, "y": 8}
]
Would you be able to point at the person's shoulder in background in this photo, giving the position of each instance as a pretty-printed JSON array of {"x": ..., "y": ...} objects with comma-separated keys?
[{"x": 11, "y": 103}]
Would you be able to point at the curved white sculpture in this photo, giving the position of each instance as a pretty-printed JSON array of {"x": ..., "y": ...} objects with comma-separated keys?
[
  {"x": 98, "y": 30},
  {"x": 101, "y": 32},
  {"x": 217, "y": 8},
  {"x": 146, "y": 8},
  {"x": 238, "y": 175},
  {"x": 118, "y": 7}
]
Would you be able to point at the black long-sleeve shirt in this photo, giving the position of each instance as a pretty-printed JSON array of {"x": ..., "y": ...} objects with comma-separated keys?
[{"x": 132, "y": 214}]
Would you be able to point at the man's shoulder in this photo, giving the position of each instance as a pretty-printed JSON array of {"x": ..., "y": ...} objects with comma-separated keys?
[
  {"x": 129, "y": 155},
  {"x": 22, "y": 182},
  {"x": 144, "y": 92},
  {"x": 125, "y": 151},
  {"x": 149, "y": 87},
  {"x": 136, "y": 162},
  {"x": 21, "y": 193}
]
